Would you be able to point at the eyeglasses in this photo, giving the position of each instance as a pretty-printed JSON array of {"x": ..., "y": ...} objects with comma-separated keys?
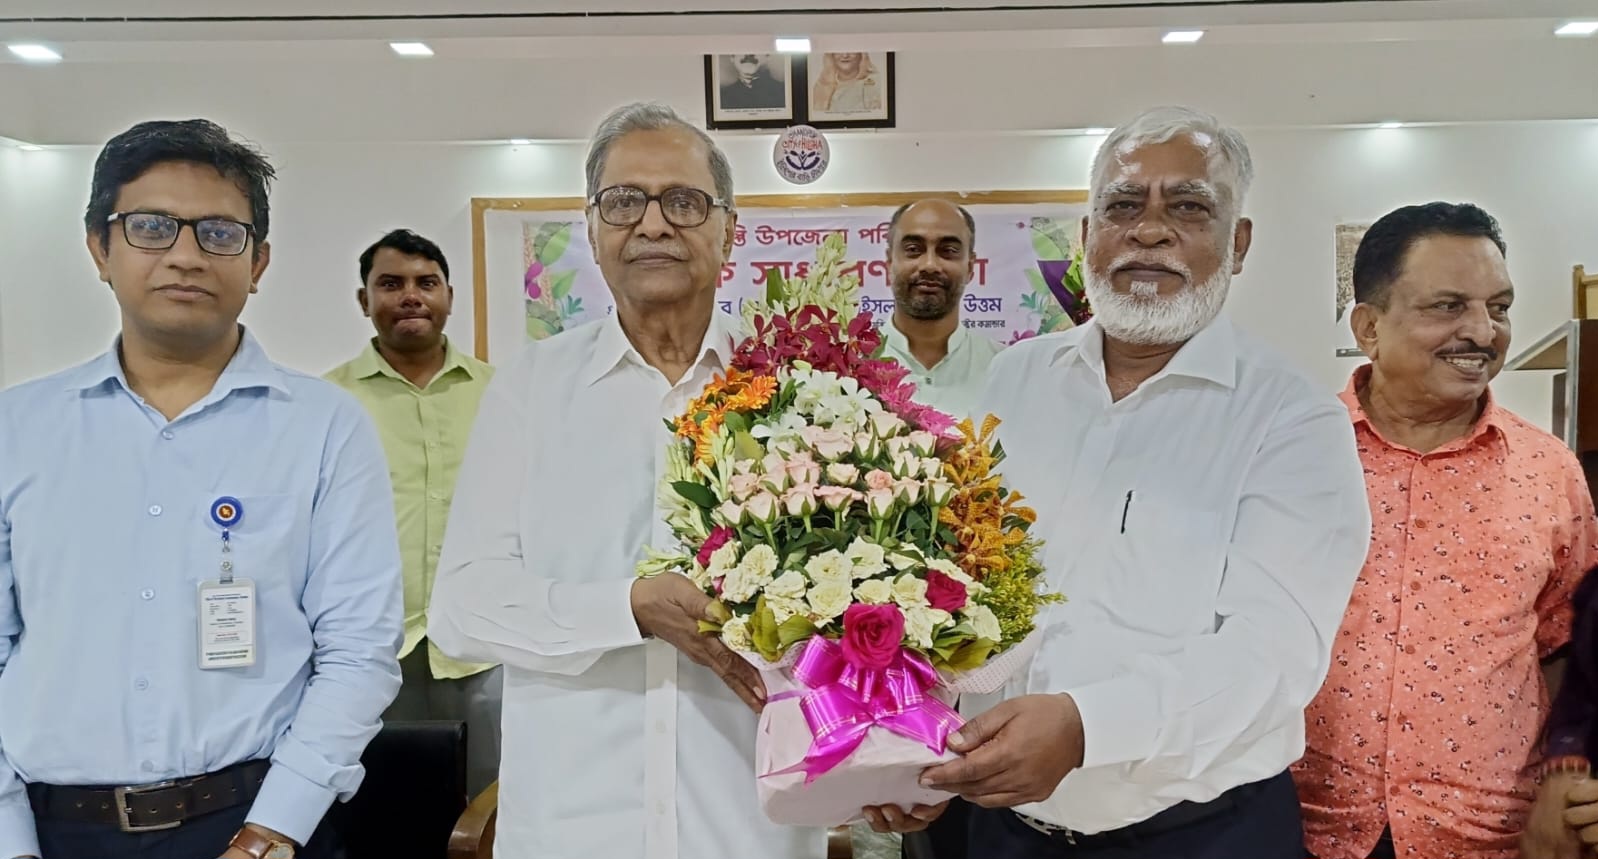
[
  {"x": 154, "y": 232},
  {"x": 625, "y": 205}
]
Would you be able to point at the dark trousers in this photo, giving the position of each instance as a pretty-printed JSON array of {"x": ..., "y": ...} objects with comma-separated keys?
[
  {"x": 1264, "y": 825},
  {"x": 204, "y": 837},
  {"x": 1384, "y": 847}
]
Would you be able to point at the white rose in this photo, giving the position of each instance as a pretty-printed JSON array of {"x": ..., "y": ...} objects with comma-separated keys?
[
  {"x": 909, "y": 591},
  {"x": 723, "y": 559},
  {"x": 984, "y": 622},
  {"x": 921, "y": 622},
  {"x": 830, "y": 566},
  {"x": 735, "y": 634},
  {"x": 902, "y": 561},
  {"x": 783, "y": 608},
  {"x": 762, "y": 562},
  {"x": 700, "y": 576},
  {"x": 790, "y": 585},
  {"x": 867, "y": 558},
  {"x": 829, "y": 599},
  {"x": 875, "y": 592},
  {"x": 740, "y": 585}
]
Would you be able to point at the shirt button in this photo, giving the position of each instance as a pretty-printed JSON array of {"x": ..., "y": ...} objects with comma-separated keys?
[
  {"x": 155, "y": 510},
  {"x": 141, "y": 684},
  {"x": 1409, "y": 649},
  {"x": 436, "y": 496},
  {"x": 148, "y": 766},
  {"x": 1414, "y": 586},
  {"x": 1395, "y": 790},
  {"x": 147, "y": 594},
  {"x": 1420, "y": 523},
  {"x": 432, "y": 444},
  {"x": 167, "y": 434}
]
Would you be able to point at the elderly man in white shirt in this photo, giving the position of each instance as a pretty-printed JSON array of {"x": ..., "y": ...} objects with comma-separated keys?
[
  {"x": 1206, "y": 519},
  {"x": 931, "y": 253},
  {"x": 626, "y": 732}
]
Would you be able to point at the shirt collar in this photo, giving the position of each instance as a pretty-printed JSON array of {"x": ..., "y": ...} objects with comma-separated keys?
[
  {"x": 248, "y": 368},
  {"x": 372, "y": 363},
  {"x": 900, "y": 344},
  {"x": 611, "y": 347},
  {"x": 1494, "y": 419},
  {"x": 1210, "y": 355}
]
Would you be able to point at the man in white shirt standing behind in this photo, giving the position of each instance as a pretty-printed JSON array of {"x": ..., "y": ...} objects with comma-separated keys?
[
  {"x": 931, "y": 251},
  {"x": 1205, "y": 516},
  {"x": 626, "y": 732}
]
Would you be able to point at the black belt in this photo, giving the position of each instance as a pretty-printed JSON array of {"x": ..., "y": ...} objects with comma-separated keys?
[
  {"x": 1176, "y": 817},
  {"x": 149, "y": 807}
]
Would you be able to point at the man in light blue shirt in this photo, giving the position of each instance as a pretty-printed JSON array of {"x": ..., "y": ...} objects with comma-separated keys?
[{"x": 199, "y": 575}]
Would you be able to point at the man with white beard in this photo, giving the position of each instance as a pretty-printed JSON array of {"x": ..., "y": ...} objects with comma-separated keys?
[{"x": 1205, "y": 517}]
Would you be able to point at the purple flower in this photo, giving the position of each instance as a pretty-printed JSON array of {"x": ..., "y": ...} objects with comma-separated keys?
[{"x": 530, "y": 280}]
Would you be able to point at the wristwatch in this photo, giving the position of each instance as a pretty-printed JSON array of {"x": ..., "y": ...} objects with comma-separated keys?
[{"x": 259, "y": 846}]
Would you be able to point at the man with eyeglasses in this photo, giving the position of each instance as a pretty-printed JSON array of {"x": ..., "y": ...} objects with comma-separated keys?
[
  {"x": 626, "y": 731},
  {"x": 199, "y": 575}
]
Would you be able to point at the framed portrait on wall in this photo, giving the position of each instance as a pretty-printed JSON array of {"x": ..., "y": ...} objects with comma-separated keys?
[
  {"x": 850, "y": 90},
  {"x": 753, "y": 90}
]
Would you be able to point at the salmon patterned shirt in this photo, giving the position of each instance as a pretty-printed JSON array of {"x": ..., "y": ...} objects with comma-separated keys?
[{"x": 1429, "y": 719}]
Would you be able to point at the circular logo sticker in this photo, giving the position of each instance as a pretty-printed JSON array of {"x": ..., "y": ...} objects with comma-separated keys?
[
  {"x": 801, "y": 155},
  {"x": 226, "y": 511}
]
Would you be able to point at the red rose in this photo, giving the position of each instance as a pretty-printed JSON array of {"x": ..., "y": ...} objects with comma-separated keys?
[
  {"x": 872, "y": 635},
  {"x": 717, "y": 539},
  {"x": 945, "y": 592}
]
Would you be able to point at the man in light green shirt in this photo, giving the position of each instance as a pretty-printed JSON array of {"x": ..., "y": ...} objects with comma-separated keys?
[
  {"x": 931, "y": 251},
  {"x": 422, "y": 393}
]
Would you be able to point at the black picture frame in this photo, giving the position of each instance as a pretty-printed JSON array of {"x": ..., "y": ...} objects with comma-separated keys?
[{"x": 760, "y": 108}]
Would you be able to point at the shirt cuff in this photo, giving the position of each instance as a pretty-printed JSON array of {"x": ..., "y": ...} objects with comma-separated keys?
[
  {"x": 290, "y": 804},
  {"x": 1119, "y": 721},
  {"x": 18, "y": 835},
  {"x": 601, "y": 612}
]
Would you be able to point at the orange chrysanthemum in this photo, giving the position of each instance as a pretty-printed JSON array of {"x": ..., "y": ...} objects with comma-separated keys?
[{"x": 735, "y": 392}]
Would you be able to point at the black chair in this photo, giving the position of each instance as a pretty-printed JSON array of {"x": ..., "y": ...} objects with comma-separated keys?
[{"x": 412, "y": 796}]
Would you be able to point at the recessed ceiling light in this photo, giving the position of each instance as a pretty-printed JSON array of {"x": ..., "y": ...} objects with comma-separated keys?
[
  {"x": 793, "y": 46},
  {"x": 36, "y": 53},
  {"x": 1182, "y": 37},
  {"x": 1391, "y": 124},
  {"x": 29, "y": 147},
  {"x": 1578, "y": 28},
  {"x": 520, "y": 141},
  {"x": 411, "y": 49}
]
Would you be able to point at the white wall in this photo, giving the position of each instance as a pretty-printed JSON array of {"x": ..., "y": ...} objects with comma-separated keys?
[{"x": 1540, "y": 179}]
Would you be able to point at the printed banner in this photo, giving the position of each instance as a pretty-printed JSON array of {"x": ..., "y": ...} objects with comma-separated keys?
[{"x": 1021, "y": 252}]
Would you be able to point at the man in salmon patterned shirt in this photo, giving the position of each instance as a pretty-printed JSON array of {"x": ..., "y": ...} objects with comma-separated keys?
[{"x": 1423, "y": 742}]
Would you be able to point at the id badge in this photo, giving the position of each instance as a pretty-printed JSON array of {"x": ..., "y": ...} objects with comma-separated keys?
[{"x": 227, "y": 624}]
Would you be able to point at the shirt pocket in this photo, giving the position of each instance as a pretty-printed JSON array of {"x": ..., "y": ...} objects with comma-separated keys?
[
  {"x": 268, "y": 545},
  {"x": 1165, "y": 566}
]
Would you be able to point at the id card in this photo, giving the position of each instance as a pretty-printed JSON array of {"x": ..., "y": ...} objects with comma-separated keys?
[{"x": 227, "y": 624}]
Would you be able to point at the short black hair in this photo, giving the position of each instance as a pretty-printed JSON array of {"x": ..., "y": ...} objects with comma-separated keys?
[
  {"x": 970, "y": 223},
  {"x": 132, "y": 153},
  {"x": 408, "y": 243},
  {"x": 1379, "y": 261}
]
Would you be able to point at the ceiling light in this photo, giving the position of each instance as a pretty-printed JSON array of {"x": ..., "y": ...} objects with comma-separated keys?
[
  {"x": 1182, "y": 37},
  {"x": 411, "y": 49},
  {"x": 1578, "y": 28},
  {"x": 520, "y": 141},
  {"x": 793, "y": 46},
  {"x": 35, "y": 53},
  {"x": 1391, "y": 125},
  {"x": 29, "y": 147}
]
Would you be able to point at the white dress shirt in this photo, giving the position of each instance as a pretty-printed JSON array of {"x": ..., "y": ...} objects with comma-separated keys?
[
  {"x": 1206, "y": 531},
  {"x": 613, "y": 746},
  {"x": 954, "y": 384}
]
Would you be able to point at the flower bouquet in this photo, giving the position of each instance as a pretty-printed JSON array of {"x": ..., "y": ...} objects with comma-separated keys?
[{"x": 862, "y": 550}]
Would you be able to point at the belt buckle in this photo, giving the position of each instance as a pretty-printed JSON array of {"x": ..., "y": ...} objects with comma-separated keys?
[
  {"x": 122, "y": 793},
  {"x": 1049, "y": 829}
]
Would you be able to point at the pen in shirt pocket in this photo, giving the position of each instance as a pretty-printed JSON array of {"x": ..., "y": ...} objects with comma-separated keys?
[{"x": 1126, "y": 508}]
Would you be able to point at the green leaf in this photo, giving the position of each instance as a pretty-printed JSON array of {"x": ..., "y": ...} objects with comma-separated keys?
[
  {"x": 744, "y": 446},
  {"x": 696, "y": 493},
  {"x": 794, "y": 630},
  {"x": 1045, "y": 246},
  {"x": 763, "y": 631},
  {"x": 735, "y": 422},
  {"x": 561, "y": 284},
  {"x": 774, "y": 285},
  {"x": 552, "y": 248},
  {"x": 971, "y": 655},
  {"x": 1040, "y": 288},
  {"x": 915, "y": 521},
  {"x": 706, "y": 627}
]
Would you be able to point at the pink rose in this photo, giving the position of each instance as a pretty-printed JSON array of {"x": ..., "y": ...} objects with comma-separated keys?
[
  {"x": 843, "y": 474},
  {"x": 800, "y": 500},
  {"x": 872, "y": 635},
  {"x": 945, "y": 592},
  {"x": 878, "y": 479},
  {"x": 836, "y": 497},
  {"x": 803, "y": 469},
  {"x": 716, "y": 540}
]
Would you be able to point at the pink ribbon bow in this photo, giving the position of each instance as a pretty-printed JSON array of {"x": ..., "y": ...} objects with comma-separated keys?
[{"x": 844, "y": 702}]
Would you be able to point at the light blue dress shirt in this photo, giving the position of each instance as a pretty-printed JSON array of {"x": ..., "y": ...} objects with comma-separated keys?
[{"x": 105, "y": 535}]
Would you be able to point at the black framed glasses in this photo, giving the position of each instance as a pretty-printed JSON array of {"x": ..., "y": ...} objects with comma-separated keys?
[
  {"x": 151, "y": 231},
  {"x": 625, "y": 205}
]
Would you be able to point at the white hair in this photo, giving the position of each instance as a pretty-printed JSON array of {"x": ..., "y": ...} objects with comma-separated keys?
[
  {"x": 1231, "y": 167},
  {"x": 652, "y": 116}
]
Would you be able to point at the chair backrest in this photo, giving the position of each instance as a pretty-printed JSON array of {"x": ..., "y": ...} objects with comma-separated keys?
[{"x": 414, "y": 791}]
